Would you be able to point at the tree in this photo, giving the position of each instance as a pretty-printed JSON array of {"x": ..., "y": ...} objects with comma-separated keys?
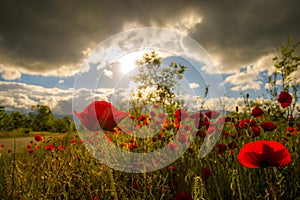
[
  {"x": 156, "y": 84},
  {"x": 286, "y": 64},
  {"x": 43, "y": 118},
  {"x": 17, "y": 120},
  {"x": 63, "y": 125}
]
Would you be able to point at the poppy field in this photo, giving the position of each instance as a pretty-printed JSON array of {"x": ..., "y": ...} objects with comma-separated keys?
[
  {"x": 256, "y": 157},
  {"x": 250, "y": 153}
]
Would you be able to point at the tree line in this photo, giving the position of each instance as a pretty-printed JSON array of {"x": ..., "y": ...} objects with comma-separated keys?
[{"x": 40, "y": 118}]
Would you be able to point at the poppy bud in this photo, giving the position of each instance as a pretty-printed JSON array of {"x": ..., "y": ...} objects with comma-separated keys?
[{"x": 237, "y": 109}]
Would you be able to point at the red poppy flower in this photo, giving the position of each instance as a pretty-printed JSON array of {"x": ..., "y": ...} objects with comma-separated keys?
[
  {"x": 2, "y": 145},
  {"x": 29, "y": 146},
  {"x": 72, "y": 141},
  {"x": 38, "y": 138},
  {"x": 257, "y": 112},
  {"x": 30, "y": 150},
  {"x": 232, "y": 145},
  {"x": 206, "y": 173},
  {"x": 201, "y": 133},
  {"x": 61, "y": 147},
  {"x": 245, "y": 123},
  {"x": 38, "y": 146},
  {"x": 263, "y": 153},
  {"x": 49, "y": 147},
  {"x": 285, "y": 99},
  {"x": 9, "y": 150},
  {"x": 182, "y": 138},
  {"x": 255, "y": 131},
  {"x": 291, "y": 118},
  {"x": 212, "y": 114},
  {"x": 199, "y": 119},
  {"x": 142, "y": 117},
  {"x": 182, "y": 196},
  {"x": 227, "y": 119},
  {"x": 172, "y": 168},
  {"x": 190, "y": 149},
  {"x": 172, "y": 146},
  {"x": 161, "y": 136},
  {"x": 100, "y": 115},
  {"x": 180, "y": 113},
  {"x": 221, "y": 148},
  {"x": 268, "y": 126}
]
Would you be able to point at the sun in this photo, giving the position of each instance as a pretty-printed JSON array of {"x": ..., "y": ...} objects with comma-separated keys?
[{"x": 128, "y": 61}]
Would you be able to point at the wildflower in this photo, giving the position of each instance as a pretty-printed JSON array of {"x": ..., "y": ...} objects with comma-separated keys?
[
  {"x": 172, "y": 146},
  {"x": 180, "y": 113},
  {"x": 142, "y": 118},
  {"x": 30, "y": 150},
  {"x": 49, "y": 147},
  {"x": 268, "y": 126},
  {"x": 264, "y": 153},
  {"x": 9, "y": 150},
  {"x": 38, "y": 146},
  {"x": 212, "y": 114},
  {"x": 255, "y": 131},
  {"x": 285, "y": 99},
  {"x": 61, "y": 147},
  {"x": 72, "y": 141},
  {"x": 172, "y": 168},
  {"x": 291, "y": 130},
  {"x": 182, "y": 138},
  {"x": 232, "y": 145},
  {"x": 190, "y": 149},
  {"x": 201, "y": 133},
  {"x": 257, "y": 112},
  {"x": 206, "y": 173},
  {"x": 245, "y": 123},
  {"x": 221, "y": 148},
  {"x": 2, "y": 145},
  {"x": 291, "y": 118},
  {"x": 38, "y": 138},
  {"x": 100, "y": 115},
  {"x": 29, "y": 146},
  {"x": 161, "y": 136}
]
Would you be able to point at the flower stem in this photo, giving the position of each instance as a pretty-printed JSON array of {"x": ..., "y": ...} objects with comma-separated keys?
[
  {"x": 216, "y": 183},
  {"x": 113, "y": 185}
]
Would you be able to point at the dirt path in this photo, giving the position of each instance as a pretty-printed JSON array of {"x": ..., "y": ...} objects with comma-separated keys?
[{"x": 20, "y": 142}]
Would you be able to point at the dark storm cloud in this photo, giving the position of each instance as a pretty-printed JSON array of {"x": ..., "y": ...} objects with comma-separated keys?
[
  {"x": 242, "y": 31},
  {"x": 44, "y": 35}
]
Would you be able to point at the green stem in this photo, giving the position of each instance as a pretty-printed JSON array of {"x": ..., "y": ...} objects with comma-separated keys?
[
  {"x": 216, "y": 182},
  {"x": 113, "y": 184},
  {"x": 13, "y": 171}
]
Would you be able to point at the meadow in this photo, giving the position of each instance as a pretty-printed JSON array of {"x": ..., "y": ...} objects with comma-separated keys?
[
  {"x": 62, "y": 168},
  {"x": 256, "y": 155}
]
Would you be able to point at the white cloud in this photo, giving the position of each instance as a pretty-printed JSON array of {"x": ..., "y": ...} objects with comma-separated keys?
[
  {"x": 21, "y": 96},
  {"x": 108, "y": 73},
  {"x": 10, "y": 73},
  {"x": 61, "y": 81},
  {"x": 185, "y": 23},
  {"x": 248, "y": 86},
  {"x": 239, "y": 78},
  {"x": 194, "y": 85}
]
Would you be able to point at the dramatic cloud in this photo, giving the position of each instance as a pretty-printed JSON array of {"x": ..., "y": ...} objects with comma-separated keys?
[
  {"x": 53, "y": 37},
  {"x": 194, "y": 85},
  {"x": 20, "y": 96}
]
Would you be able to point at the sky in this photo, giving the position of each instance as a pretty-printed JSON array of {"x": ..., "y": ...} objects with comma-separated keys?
[{"x": 44, "y": 43}]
